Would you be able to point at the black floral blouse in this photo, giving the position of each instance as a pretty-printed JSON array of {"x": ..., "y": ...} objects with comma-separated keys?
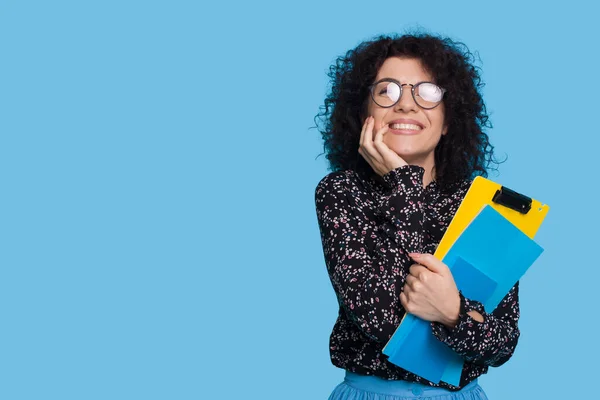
[{"x": 367, "y": 226}]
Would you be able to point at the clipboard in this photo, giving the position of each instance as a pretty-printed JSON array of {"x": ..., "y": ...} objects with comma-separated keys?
[{"x": 524, "y": 213}]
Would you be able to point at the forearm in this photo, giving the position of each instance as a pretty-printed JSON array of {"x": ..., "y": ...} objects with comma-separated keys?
[
  {"x": 480, "y": 337},
  {"x": 403, "y": 207}
]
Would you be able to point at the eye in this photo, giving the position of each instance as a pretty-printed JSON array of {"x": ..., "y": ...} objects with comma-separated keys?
[
  {"x": 430, "y": 92},
  {"x": 393, "y": 91}
]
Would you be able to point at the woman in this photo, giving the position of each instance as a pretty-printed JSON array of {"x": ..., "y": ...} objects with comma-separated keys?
[{"x": 404, "y": 134}]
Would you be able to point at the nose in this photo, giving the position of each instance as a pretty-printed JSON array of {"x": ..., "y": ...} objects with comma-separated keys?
[{"x": 406, "y": 102}]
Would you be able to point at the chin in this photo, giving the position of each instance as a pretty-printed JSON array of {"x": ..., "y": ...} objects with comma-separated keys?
[
  {"x": 404, "y": 152},
  {"x": 410, "y": 155},
  {"x": 402, "y": 146},
  {"x": 409, "y": 152}
]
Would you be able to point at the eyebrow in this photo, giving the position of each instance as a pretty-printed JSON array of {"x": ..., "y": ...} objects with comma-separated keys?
[{"x": 406, "y": 83}]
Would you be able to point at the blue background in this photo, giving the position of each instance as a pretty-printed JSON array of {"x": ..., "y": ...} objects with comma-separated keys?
[{"x": 158, "y": 237}]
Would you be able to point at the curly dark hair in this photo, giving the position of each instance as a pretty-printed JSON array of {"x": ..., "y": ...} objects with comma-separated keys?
[{"x": 463, "y": 153}]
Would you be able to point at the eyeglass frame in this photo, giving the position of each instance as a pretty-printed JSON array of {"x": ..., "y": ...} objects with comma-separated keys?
[{"x": 412, "y": 90}]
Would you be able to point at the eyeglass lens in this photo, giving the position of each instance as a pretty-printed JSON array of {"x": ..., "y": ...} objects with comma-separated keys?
[{"x": 426, "y": 94}]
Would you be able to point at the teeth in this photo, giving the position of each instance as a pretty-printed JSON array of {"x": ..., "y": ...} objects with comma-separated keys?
[{"x": 405, "y": 126}]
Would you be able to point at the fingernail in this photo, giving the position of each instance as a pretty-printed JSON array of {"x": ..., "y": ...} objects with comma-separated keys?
[{"x": 414, "y": 255}]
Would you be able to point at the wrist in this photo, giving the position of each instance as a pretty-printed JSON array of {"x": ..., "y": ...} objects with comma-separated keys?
[
  {"x": 452, "y": 316},
  {"x": 406, "y": 176},
  {"x": 476, "y": 316}
]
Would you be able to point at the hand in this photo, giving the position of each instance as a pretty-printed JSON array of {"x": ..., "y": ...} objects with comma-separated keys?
[
  {"x": 379, "y": 156},
  {"x": 430, "y": 292}
]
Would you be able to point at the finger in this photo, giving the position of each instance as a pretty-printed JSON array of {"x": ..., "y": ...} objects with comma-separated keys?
[
  {"x": 368, "y": 135},
  {"x": 403, "y": 300},
  {"x": 406, "y": 303},
  {"x": 361, "y": 149},
  {"x": 363, "y": 135},
  {"x": 368, "y": 143},
  {"x": 365, "y": 154},
  {"x": 415, "y": 284},
  {"x": 380, "y": 132},
  {"x": 378, "y": 140},
  {"x": 410, "y": 280},
  {"x": 362, "y": 132},
  {"x": 389, "y": 157},
  {"x": 416, "y": 270},
  {"x": 369, "y": 130},
  {"x": 430, "y": 261}
]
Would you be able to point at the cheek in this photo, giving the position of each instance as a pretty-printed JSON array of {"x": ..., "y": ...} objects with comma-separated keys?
[
  {"x": 371, "y": 111},
  {"x": 437, "y": 120},
  {"x": 379, "y": 114}
]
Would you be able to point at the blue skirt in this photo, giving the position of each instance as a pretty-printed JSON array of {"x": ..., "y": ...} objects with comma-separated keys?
[{"x": 363, "y": 387}]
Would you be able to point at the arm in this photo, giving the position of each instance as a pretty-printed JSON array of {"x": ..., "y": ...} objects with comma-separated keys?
[
  {"x": 403, "y": 208},
  {"x": 491, "y": 342},
  {"x": 367, "y": 283}
]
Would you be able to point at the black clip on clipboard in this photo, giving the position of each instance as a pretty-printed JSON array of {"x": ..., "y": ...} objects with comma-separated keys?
[{"x": 513, "y": 200}]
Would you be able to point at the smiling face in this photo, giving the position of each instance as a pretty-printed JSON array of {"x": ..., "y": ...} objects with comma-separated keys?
[{"x": 414, "y": 132}]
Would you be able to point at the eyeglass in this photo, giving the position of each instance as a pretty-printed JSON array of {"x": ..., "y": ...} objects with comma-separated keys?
[{"x": 387, "y": 92}]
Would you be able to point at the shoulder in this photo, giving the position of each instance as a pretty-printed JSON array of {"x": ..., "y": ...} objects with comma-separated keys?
[
  {"x": 464, "y": 185},
  {"x": 459, "y": 188},
  {"x": 452, "y": 194},
  {"x": 336, "y": 182}
]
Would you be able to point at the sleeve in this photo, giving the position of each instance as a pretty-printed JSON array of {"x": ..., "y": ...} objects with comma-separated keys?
[
  {"x": 403, "y": 208},
  {"x": 367, "y": 282},
  {"x": 491, "y": 342}
]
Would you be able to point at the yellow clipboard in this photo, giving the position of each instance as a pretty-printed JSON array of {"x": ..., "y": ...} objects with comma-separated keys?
[{"x": 483, "y": 192}]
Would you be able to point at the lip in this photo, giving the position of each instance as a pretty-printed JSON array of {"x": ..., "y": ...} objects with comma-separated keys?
[{"x": 405, "y": 131}]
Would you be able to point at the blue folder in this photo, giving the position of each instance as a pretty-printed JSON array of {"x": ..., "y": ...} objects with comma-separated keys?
[{"x": 487, "y": 260}]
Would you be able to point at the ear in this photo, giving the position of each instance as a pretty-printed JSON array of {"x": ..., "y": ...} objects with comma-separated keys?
[{"x": 445, "y": 129}]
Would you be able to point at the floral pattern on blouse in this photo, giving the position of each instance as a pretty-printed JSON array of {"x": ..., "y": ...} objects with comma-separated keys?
[{"x": 368, "y": 226}]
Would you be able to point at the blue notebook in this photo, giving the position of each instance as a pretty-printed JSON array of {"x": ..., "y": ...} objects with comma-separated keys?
[{"x": 486, "y": 261}]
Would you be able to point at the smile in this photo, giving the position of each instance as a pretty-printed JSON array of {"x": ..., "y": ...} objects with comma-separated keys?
[{"x": 411, "y": 127}]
